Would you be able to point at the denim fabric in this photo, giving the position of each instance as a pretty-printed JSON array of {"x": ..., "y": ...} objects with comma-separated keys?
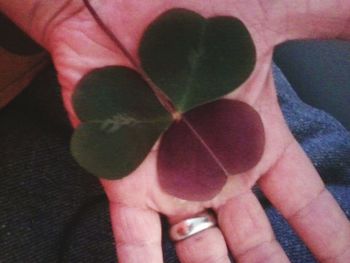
[
  {"x": 327, "y": 143},
  {"x": 319, "y": 73},
  {"x": 53, "y": 211}
]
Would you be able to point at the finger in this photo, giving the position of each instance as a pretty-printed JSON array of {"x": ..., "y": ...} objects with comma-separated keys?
[
  {"x": 137, "y": 234},
  {"x": 296, "y": 190},
  {"x": 207, "y": 246},
  {"x": 248, "y": 232}
]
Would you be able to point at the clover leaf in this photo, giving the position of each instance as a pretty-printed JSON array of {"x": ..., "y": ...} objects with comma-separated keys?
[
  {"x": 187, "y": 62},
  {"x": 196, "y": 60},
  {"x": 121, "y": 120}
]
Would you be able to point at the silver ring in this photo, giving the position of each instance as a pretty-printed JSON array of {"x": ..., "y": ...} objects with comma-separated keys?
[{"x": 192, "y": 226}]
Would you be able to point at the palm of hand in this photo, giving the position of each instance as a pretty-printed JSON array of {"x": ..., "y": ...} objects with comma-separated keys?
[
  {"x": 258, "y": 92},
  {"x": 290, "y": 182}
]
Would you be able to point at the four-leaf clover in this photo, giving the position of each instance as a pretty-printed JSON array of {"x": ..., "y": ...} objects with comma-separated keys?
[{"x": 187, "y": 62}]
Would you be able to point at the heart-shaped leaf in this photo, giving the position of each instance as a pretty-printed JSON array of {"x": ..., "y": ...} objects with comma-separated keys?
[
  {"x": 196, "y": 60},
  {"x": 122, "y": 121},
  {"x": 187, "y": 62},
  {"x": 211, "y": 142}
]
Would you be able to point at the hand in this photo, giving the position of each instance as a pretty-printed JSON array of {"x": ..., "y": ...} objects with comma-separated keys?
[{"x": 284, "y": 174}]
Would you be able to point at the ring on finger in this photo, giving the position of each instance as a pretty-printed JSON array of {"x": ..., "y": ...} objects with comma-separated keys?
[{"x": 191, "y": 226}]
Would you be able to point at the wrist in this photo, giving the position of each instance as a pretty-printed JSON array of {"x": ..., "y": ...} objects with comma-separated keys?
[{"x": 38, "y": 18}]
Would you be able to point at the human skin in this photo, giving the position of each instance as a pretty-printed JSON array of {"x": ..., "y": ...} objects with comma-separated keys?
[{"x": 285, "y": 174}]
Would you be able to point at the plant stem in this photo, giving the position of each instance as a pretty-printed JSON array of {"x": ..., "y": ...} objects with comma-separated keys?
[{"x": 161, "y": 96}]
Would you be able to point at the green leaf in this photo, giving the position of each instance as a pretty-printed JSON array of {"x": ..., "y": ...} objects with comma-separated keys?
[
  {"x": 122, "y": 121},
  {"x": 112, "y": 152},
  {"x": 112, "y": 90},
  {"x": 196, "y": 60}
]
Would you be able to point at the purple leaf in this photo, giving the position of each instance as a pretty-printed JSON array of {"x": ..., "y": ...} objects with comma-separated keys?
[{"x": 210, "y": 142}]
